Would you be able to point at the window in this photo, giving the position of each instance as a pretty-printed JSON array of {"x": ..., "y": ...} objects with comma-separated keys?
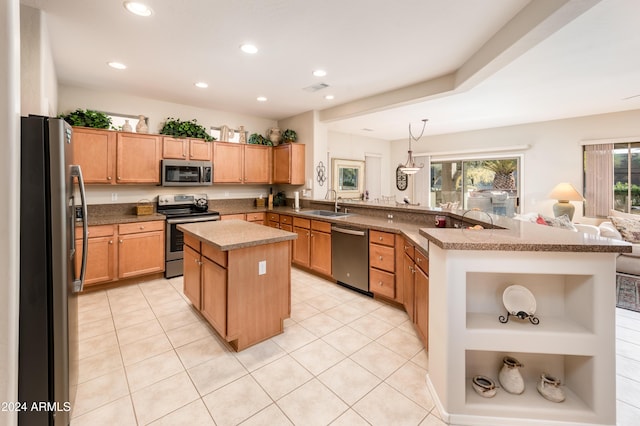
[
  {"x": 491, "y": 185},
  {"x": 119, "y": 120},
  {"x": 612, "y": 178}
]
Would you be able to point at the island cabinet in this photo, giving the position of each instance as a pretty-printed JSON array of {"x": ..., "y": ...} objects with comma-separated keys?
[
  {"x": 289, "y": 164},
  {"x": 186, "y": 149},
  {"x": 312, "y": 248},
  {"x": 117, "y": 252},
  {"x": 574, "y": 340},
  {"x": 258, "y": 217},
  {"x": 241, "y": 163},
  {"x": 240, "y": 278}
]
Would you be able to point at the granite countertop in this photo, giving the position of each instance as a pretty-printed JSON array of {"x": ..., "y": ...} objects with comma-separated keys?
[
  {"x": 522, "y": 236},
  {"x": 115, "y": 218},
  {"x": 234, "y": 234}
]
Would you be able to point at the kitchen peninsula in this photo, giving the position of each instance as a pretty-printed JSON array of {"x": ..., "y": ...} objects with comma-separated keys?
[
  {"x": 571, "y": 277},
  {"x": 238, "y": 275}
]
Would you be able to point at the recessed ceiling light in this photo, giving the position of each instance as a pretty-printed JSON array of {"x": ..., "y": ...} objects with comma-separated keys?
[
  {"x": 117, "y": 65},
  {"x": 201, "y": 84},
  {"x": 249, "y": 48},
  {"x": 319, "y": 73},
  {"x": 136, "y": 8},
  {"x": 261, "y": 99},
  {"x": 329, "y": 97}
]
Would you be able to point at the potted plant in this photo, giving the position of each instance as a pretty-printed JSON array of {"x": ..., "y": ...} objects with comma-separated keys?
[
  {"x": 257, "y": 139},
  {"x": 289, "y": 136},
  {"x": 87, "y": 118},
  {"x": 185, "y": 129}
]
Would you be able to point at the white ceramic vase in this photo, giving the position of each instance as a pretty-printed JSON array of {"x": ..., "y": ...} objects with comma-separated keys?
[
  {"x": 549, "y": 387},
  {"x": 142, "y": 127},
  {"x": 274, "y": 135},
  {"x": 510, "y": 377},
  {"x": 126, "y": 127}
]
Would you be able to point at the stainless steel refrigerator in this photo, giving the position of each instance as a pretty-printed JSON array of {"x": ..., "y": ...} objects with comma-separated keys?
[{"x": 48, "y": 328}]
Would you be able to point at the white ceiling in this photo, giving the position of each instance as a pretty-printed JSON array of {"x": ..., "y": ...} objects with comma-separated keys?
[{"x": 464, "y": 64}]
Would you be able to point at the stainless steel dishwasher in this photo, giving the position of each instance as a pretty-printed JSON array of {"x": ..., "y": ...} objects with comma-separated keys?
[{"x": 350, "y": 256}]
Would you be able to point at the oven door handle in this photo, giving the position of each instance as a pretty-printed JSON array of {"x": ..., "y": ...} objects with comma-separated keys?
[{"x": 192, "y": 219}]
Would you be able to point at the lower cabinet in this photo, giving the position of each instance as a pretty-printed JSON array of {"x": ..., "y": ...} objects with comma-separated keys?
[
  {"x": 121, "y": 251},
  {"x": 312, "y": 248},
  {"x": 415, "y": 282},
  {"x": 382, "y": 265},
  {"x": 191, "y": 277},
  {"x": 214, "y": 295}
]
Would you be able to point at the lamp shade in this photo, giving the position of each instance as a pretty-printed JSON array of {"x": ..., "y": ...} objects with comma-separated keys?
[{"x": 565, "y": 192}]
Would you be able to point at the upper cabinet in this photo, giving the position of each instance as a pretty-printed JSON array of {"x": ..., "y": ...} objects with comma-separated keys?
[
  {"x": 138, "y": 158},
  {"x": 95, "y": 151},
  {"x": 288, "y": 164},
  {"x": 186, "y": 149},
  {"x": 241, "y": 163},
  {"x": 110, "y": 157}
]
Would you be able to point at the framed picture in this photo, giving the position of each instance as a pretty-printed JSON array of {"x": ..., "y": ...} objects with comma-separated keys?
[{"x": 348, "y": 177}]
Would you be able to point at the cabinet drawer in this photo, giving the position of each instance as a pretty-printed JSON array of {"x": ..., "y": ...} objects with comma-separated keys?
[
  {"x": 192, "y": 242},
  {"x": 286, "y": 219},
  {"x": 218, "y": 256},
  {"x": 381, "y": 257},
  {"x": 134, "y": 228},
  {"x": 384, "y": 238},
  {"x": 97, "y": 231},
  {"x": 273, "y": 217},
  {"x": 285, "y": 227},
  {"x": 239, "y": 216},
  {"x": 409, "y": 249},
  {"x": 382, "y": 283},
  {"x": 301, "y": 223},
  {"x": 317, "y": 225},
  {"x": 255, "y": 217},
  {"x": 422, "y": 262}
]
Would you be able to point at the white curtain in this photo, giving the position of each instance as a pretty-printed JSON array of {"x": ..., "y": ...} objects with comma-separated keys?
[{"x": 598, "y": 192}]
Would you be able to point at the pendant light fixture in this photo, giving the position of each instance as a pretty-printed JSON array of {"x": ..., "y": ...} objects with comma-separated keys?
[{"x": 410, "y": 167}]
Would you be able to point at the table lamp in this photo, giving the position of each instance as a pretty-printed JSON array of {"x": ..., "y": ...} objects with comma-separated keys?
[{"x": 565, "y": 192}]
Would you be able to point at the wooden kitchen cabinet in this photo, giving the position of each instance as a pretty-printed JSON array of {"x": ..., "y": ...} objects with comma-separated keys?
[
  {"x": 421, "y": 319},
  {"x": 241, "y": 163},
  {"x": 140, "y": 248},
  {"x": 320, "y": 247},
  {"x": 239, "y": 216},
  {"x": 95, "y": 151},
  {"x": 138, "y": 158},
  {"x": 382, "y": 264},
  {"x": 186, "y": 149},
  {"x": 273, "y": 220},
  {"x": 101, "y": 254},
  {"x": 415, "y": 282},
  {"x": 301, "y": 245},
  {"x": 191, "y": 281},
  {"x": 256, "y": 217},
  {"x": 227, "y": 162},
  {"x": 408, "y": 284},
  {"x": 214, "y": 295},
  {"x": 256, "y": 164},
  {"x": 289, "y": 164}
]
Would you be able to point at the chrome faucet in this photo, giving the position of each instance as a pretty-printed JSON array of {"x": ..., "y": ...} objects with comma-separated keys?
[{"x": 335, "y": 197}]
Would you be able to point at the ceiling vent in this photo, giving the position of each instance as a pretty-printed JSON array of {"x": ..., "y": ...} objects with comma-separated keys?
[{"x": 315, "y": 87}]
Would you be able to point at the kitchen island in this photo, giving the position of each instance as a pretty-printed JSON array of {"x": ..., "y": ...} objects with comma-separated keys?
[
  {"x": 572, "y": 279},
  {"x": 238, "y": 275}
]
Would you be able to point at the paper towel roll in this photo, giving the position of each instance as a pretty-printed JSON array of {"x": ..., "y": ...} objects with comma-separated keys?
[{"x": 296, "y": 200}]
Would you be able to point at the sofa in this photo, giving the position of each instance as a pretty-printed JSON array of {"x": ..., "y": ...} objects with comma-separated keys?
[{"x": 626, "y": 263}]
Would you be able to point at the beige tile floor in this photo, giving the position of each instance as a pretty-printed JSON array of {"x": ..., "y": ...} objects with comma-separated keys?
[{"x": 146, "y": 357}]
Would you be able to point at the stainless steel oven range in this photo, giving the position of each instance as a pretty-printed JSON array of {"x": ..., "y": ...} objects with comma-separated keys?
[{"x": 179, "y": 209}]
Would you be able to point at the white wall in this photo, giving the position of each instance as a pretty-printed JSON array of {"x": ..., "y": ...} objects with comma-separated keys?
[
  {"x": 554, "y": 156},
  {"x": 38, "y": 77},
  {"x": 306, "y": 126},
  {"x": 9, "y": 208},
  {"x": 351, "y": 147},
  {"x": 71, "y": 98}
]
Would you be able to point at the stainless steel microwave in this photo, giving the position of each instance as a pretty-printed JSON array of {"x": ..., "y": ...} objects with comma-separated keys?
[{"x": 186, "y": 173}]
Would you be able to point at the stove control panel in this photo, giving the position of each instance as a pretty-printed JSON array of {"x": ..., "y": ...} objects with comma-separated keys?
[{"x": 182, "y": 199}]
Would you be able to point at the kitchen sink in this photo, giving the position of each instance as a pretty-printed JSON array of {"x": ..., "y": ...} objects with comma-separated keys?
[{"x": 326, "y": 213}]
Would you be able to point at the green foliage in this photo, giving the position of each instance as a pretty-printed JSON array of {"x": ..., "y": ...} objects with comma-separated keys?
[
  {"x": 501, "y": 167},
  {"x": 621, "y": 191},
  {"x": 87, "y": 118},
  {"x": 185, "y": 129},
  {"x": 289, "y": 136},
  {"x": 257, "y": 139}
]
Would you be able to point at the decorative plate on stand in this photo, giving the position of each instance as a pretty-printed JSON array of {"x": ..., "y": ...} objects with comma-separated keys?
[{"x": 519, "y": 302}]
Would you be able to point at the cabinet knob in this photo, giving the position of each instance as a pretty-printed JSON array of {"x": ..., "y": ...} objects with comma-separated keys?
[
  {"x": 380, "y": 283},
  {"x": 380, "y": 238},
  {"x": 141, "y": 226},
  {"x": 419, "y": 260},
  {"x": 108, "y": 177},
  {"x": 380, "y": 257},
  {"x": 119, "y": 178},
  {"x": 406, "y": 247},
  {"x": 120, "y": 241},
  {"x": 110, "y": 241}
]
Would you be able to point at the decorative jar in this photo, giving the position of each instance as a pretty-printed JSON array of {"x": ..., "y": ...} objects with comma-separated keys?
[
  {"x": 142, "y": 127},
  {"x": 510, "y": 377}
]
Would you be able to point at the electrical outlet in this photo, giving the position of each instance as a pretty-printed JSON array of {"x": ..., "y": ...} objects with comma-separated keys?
[
  {"x": 114, "y": 196},
  {"x": 262, "y": 267}
]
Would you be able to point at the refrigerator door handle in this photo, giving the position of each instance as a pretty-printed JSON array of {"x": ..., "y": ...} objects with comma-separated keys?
[{"x": 78, "y": 285}]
